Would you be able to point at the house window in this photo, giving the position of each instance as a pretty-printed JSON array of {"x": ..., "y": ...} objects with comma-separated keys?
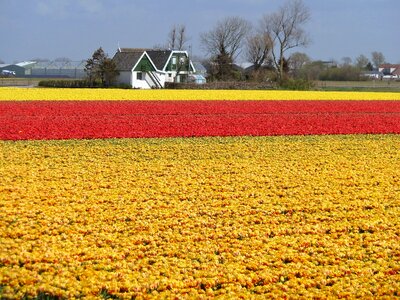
[
  {"x": 139, "y": 76},
  {"x": 173, "y": 67}
]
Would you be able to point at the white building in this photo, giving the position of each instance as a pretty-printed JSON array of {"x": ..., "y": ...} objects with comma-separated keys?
[{"x": 149, "y": 68}]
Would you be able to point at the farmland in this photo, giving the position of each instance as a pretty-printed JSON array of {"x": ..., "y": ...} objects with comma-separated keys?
[{"x": 295, "y": 216}]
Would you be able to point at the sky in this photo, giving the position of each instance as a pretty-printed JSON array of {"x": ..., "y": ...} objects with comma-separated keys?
[{"x": 74, "y": 29}]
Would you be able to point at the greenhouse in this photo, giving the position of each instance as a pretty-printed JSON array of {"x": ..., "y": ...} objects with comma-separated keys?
[{"x": 57, "y": 69}]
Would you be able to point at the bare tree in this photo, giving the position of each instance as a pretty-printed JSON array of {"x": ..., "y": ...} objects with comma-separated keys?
[
  {"x": 377, "y": 58},
  {"x": 362, "y": 61},
  {"x": 346, "y": 61},
  {"x": 297, "y": 61},
  {"x": 177, "y": 37},
  {"x": 182, "y": 37},
  {"x": 285, "y": 29},
  {"x": 258, "y": 49},
  {"x": 226, "y": 37},
  {"x": 224, "y": 43}
]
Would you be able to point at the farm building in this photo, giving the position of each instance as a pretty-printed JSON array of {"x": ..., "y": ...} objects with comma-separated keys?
[
  {"x": 58, "y": 69},
  {"x": 12, "y": 70},
  {"x": 46, "y": 69},
  {"x": 149, "y": 68}
]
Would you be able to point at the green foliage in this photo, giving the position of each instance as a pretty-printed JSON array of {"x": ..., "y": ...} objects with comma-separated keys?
[
  {"x": 296, "y": 84},
  {"x": 84, "y": 83},
  {"x": 345, "y": 73},
  {"x": 100, "y": 68},
  {"x": 104, "y": 294},
  {"x": 66, "y": 83},
  {"x": 222, "y": 68}
]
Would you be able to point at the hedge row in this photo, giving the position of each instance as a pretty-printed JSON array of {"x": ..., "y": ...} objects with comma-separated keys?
[
  {"x": 221, "y": 85},
  {"x": 78, "y": 83}
]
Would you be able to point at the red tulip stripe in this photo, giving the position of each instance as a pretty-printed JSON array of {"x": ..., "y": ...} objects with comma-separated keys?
[{"x": 40, "y": 120}]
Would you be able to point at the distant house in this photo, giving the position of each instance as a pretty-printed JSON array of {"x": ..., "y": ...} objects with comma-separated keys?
[
  {"x": 150, "y": 68},
  {"x": 390, "y": 71},
  {"x": 375, "y": 74}
]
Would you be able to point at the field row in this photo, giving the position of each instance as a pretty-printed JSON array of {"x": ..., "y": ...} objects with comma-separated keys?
[
  {"x": 51, "y": 94},
  {"x": 309, "y": 216},
  {"x": 135, "y": 119}
]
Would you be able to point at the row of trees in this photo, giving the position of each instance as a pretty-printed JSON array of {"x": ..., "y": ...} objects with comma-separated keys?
[
  {"x": 265, "y": 44},
  {"x": 266, "y": 47},
  {"x": 301, "y": 66}
]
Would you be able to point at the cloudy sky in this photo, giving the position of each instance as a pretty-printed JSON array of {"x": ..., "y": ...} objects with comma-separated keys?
[{"x": 75, "y": 28}]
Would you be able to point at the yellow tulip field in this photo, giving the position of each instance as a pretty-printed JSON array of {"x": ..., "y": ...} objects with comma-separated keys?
[{"x": 234, "y": 217}]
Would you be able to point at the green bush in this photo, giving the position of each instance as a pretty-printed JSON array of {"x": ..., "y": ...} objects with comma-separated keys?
[
  {"x": 346, "y": 73},
  {"x": 64, "y": 83},
  {"x": 296, "y": 84},
  {"x": 82, "y": 83}
]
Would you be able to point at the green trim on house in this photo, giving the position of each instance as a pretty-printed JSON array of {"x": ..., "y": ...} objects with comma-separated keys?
[
  {"x": 174, "y": 62},
  {"x": 144, "y": 65}
]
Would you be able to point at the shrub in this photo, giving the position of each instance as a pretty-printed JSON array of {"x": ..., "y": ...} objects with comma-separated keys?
[
  {"x": 296, "y": 84},
  {"x": 64, "y": 83},
  {"x": 346, "y": 73},
  {"x": 222, "y": 85}
]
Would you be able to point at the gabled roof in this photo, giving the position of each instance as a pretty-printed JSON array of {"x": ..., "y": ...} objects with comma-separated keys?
[
  {"x": 126, "y": 60},
  {"x": 159, "y": 57},
  {"x": 396, "y": 72},
  {"x": 394, "y": 69},
  {"x": 389, "y": 66},
  {"x": 141, "y": 57}
]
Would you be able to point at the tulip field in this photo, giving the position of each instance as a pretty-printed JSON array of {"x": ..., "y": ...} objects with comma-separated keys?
[{"x": 128, "y": 194}]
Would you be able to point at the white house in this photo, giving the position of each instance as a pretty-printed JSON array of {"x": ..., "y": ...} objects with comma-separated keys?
[
  {"x": 149, "y": 68},
  {"x": 390, "y": 71}
]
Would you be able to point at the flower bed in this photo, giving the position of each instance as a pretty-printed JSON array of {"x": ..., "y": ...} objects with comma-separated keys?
[
  {"x": 283, "y": 217},
  {"x": 133, "y": 119},
  {"x": 51, "y": 94},
  {"x": 305, "y": 215}
]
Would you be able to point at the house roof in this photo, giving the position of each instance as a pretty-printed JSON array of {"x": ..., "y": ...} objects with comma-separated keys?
[
  {"x": 125, "y": 61},
  {"x": 394, "y": 69},
  {"x": 396, "y": 72},
  {"x": 126, "y": 58},
  {"x": 389, "y": 66},
  {"x": 199, "y": 67},
  {"x": 159, "y": 57}
]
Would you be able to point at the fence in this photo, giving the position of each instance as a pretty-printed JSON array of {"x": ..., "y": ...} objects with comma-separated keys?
[{"x": 19, "y": 81}]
